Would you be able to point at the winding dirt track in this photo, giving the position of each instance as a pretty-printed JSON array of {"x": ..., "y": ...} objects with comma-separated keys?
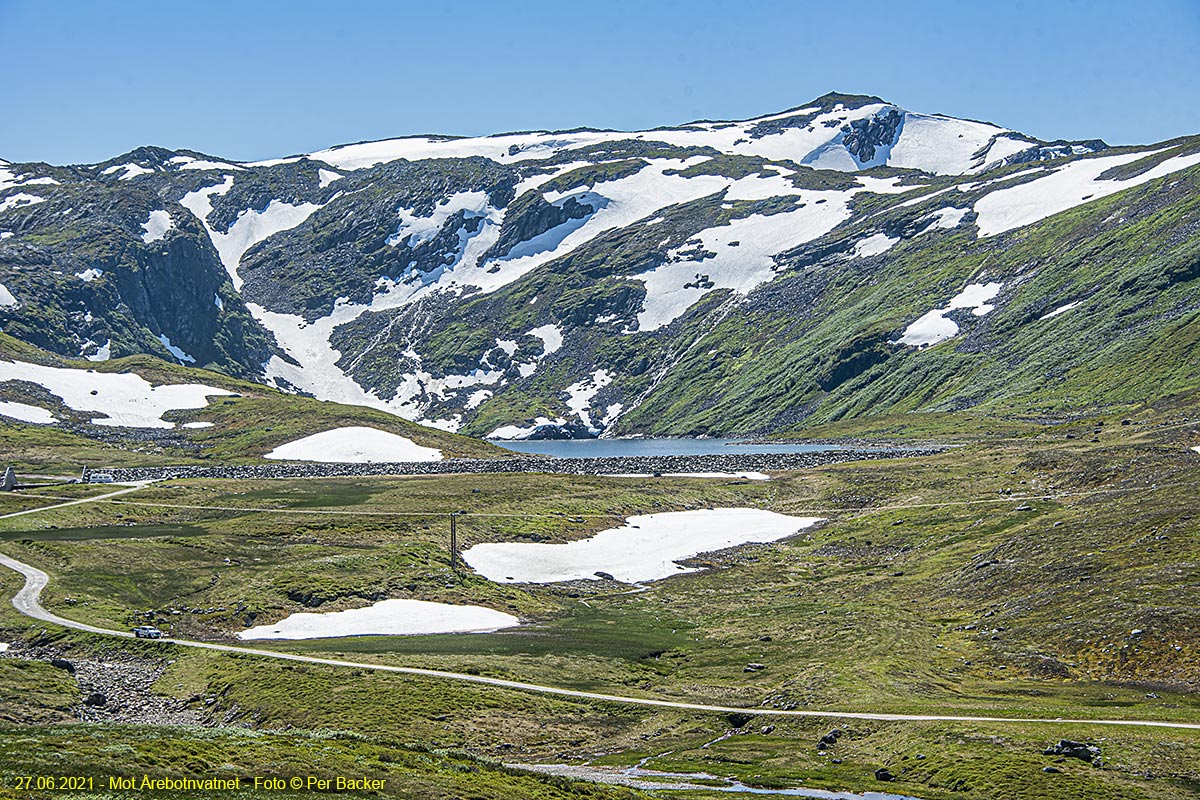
[{"x": 26, "y": 601}]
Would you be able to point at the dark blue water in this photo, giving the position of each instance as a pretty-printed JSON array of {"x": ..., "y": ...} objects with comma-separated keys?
[{"x": 602, "y": 448}]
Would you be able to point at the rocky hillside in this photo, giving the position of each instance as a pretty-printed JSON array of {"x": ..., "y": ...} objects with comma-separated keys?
[{"x": 843, "y": 258}]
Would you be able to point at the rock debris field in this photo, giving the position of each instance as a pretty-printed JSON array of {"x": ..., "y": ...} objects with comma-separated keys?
[{"x": 615, "y": 466}]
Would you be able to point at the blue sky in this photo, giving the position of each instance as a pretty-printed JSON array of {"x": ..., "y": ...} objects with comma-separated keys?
[{"x": 85, "y": 81}]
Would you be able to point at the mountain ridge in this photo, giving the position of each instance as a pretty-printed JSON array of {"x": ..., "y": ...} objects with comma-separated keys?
[{"x": 559, "y": 283}]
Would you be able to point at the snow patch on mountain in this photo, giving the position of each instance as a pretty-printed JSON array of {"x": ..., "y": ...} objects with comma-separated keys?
[
  {"x": 744, "y": 256},
  {"x": 253, "y": 227},
  {"x": 1066, "y": 187},
  {"x": 477, "y": 398},
  {"x": 7, "y": 299},
  {"x": 90, "y": 274},
  {"x": 127, "y": 171},
  {"x": 156, "y": 226},
  {"x": 250, "y": 228},
  {"x": 580, "y": 394},
  {"x": 942, "y": 145},
  {"x": 414, "y": 230},
  {"x": 511, "y": 432},
  {"x": 1060, "y": 310},
  {"x": 997, "y": 152},
  {"x": 551, "y": 336},
  {"x": 175, "y": 351},
  {"x": 125, "y": 399},
  {"x": 504, "y": 148},
  {"x": 326, "y": 177},
  {"x": 946, "y": 218},
  {"x": 94, "y": 352},
  {"x": 875, "y": 245},
  {"x": 201, "y": 164},
  {"x": 19, "y": 200},
  {"x": 934, "y": 327},
  {"x": 199, "y": 202},
  {"x": 318, "y": 372},
  {"x": 26, "y": 413},
  {"x": 315, "y": 369}
]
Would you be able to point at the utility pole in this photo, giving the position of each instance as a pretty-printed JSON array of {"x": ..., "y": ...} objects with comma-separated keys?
[{"x": 454, "y": 540}]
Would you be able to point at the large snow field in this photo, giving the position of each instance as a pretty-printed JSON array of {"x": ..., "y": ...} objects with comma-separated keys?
[
  {"x": 250, "y": 228},
  {"x": 745, "y": 261},
  {"x": 354, "y": 445},
  {"x": 646, "y": 548},
  {"x": 1066, "y": 187},
  {"x": 124, "y": 399},
  {"x": 933, "y": 143},
  {"x": 746, "y": 247},
  {"x": 745, "y": 250},
  {"x": 942, "y": 145},
  {"x": 386, "y": 618}
]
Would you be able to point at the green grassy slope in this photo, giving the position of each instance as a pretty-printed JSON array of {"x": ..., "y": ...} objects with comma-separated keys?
[
  {"x": 1131, "y": 260},
  {"x": 243, "y": 427},
  {"x": 1002, "y": 578}
]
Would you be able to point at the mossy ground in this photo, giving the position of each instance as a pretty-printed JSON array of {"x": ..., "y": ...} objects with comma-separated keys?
[{"x": 1003, "y": 578}]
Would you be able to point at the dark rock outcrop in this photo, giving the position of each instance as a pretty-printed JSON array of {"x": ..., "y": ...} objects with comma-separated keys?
[
  {"x": 1079, "y": 750},
  {"x": 863, "y": 136}
]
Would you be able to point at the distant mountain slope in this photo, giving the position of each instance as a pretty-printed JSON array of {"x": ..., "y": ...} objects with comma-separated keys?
[
  {"x": 140, "y": 410},
  {"x": 846, "y": 257}
]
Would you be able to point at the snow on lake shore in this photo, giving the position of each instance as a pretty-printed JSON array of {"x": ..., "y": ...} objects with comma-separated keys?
[
  {"x": 354, "y": 445},
  {"x": 646, "y": 548},
  {"x": 386, "y": 618}
]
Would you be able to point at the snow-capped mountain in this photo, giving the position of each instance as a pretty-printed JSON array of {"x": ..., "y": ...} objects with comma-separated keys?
[{"x": 844, "y": 257}]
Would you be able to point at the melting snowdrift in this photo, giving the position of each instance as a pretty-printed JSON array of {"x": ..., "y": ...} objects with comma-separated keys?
[
  {"x": 386, "y": 618},
  {"x": 646, "y": 548},
  {"x": 126, "y": 399},
  {"x": 354, "y": 445}
]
